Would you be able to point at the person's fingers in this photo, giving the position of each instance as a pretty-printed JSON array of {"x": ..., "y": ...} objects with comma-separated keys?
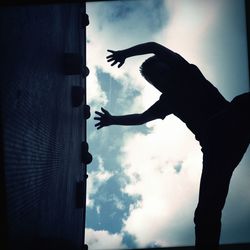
[
  {"x": 99, "y": 113},
  {"x": 111, "y": 51},
  {"x": 110, "y": 56},
  {"x": 114, "y": 63},
  {"x": 110, "y": 60},
  {"x": 99, "y": 127},
  {"x": 104, "y": 110},
  {"x": 97, "y": 124},
  {"x": 97, "y": 118},
  {"x": 120, "y": 64}
]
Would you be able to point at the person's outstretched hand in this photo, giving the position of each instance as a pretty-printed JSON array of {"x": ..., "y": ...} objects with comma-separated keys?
[
  {"x": 116, "y": 57},
  {"x": 104, "y": 118}
]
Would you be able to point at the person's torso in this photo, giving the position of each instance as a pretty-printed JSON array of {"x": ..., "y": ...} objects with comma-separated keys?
[{"x": 193, "y": 99}]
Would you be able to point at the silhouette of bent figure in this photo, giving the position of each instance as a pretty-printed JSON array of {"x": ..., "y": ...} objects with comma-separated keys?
[{"x": 221, "y": 127}]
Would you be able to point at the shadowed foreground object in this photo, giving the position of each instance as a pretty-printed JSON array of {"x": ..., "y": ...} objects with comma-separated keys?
[{"x": 42, "y": 98}]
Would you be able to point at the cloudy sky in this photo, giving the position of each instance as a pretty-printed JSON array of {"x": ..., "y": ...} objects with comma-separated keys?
[{"x": 143, "y": 182}]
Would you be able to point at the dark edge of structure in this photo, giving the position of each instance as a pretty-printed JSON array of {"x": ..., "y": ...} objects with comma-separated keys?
[
  {"x": 247, "y": 6},
  {"x": 3, "y": 200}
]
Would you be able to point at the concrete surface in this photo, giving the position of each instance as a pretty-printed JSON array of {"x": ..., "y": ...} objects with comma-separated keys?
[{"x": 42, "y": 131}]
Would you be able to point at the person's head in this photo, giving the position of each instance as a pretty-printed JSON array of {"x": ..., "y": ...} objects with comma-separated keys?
[{"x": 156, "y": 72}]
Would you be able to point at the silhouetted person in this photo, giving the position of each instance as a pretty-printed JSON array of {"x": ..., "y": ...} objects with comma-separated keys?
[{"x": 221, "y": 127}]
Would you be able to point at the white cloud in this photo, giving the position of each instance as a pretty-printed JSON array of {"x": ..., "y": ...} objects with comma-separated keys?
[
  {"x": 103, "y": 240},
  {"x": 168, "y": 198},
  {"x": 98, "y": 209},
  {"x": 118, "y": 202},
  {"x": 103, "y": 35},
  {"x": 211, "y": 35},
  {"x": 189, "y": 22},
  {"x": 187, "y": 33},
  {"x": 96, "y": 180},
  {"x": 95, "y": 92}
]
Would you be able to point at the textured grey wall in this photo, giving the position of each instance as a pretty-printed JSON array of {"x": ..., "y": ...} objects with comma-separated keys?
[{"x": 42, "y": 131}]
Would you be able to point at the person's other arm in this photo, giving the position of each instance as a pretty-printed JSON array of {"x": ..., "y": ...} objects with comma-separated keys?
[
  {"x": 120, "y": 56},
  {"x": 104, "y": 119}
]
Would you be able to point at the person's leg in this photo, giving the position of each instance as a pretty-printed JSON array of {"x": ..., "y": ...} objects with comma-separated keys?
[
  {"x": 223, "y": 149},
  {"x": 213, "y": 191},
  {"x": 241, "y": 113}
]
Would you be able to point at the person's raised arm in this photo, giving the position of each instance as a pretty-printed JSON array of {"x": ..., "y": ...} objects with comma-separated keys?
[
  {"x": 104, "y": 119},
  {"x": 120, "y": 56}
]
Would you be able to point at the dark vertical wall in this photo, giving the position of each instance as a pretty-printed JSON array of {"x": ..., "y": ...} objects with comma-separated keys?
[{"x": 41, "y": 130}]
